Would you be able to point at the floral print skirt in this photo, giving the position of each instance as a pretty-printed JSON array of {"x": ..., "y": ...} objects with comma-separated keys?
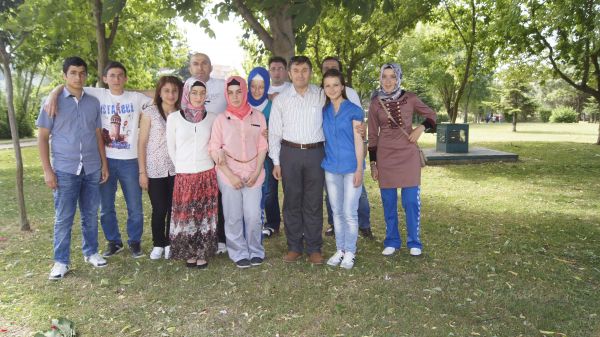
[{"x": 194, "y": 216}]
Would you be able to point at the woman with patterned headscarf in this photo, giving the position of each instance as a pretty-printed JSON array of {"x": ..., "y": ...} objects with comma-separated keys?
[
  {"x": 239, "y": 147},
  {"x": 394, "y": 155},
  {"x": 194, "y": 217}
]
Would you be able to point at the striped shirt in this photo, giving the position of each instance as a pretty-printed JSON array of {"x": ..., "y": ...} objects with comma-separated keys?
[{"x": 296, "y": 118}]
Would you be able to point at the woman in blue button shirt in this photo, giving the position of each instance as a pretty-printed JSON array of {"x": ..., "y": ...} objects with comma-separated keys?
[{"x": 343, "y": 165}]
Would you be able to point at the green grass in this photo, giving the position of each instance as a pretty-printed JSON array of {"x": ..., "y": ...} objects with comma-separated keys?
[{"x": 510, "y": 249}]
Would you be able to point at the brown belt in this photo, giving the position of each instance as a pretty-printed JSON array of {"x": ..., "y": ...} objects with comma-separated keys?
[{"x": 302, "y": 146}]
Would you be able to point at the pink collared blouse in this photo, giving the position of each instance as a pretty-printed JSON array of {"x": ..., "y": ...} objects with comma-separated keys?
[{"x": 242, "y": 141}]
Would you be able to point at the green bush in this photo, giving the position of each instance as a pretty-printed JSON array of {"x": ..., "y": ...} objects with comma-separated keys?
[
  {"x": 442, "y": 118},
  {"x": 545, "y": 115},
  {"x": 564, "y": 114}
]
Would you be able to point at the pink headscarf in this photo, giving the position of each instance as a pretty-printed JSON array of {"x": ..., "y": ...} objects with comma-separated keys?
[
  {"x": 192, "y": 113},
  {"x": 244, "y": 109}
]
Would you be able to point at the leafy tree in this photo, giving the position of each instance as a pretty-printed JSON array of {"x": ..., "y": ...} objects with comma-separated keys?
[{"x": 563, "y": 33}]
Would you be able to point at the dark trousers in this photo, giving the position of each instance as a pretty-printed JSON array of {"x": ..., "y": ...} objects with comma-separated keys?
[
  {"x": 160, "y": 191},
  {"x": 303, "y": 180},
  {"x": 220, "y": 221},
  {"x": 270, "y": 197}
]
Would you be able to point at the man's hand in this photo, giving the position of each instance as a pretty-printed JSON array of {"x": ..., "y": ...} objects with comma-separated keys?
[
  {"x": 51, "y": 104},
  {"x": 104, "y": 174},
  {"x": 50, "y": 179},
  {"x": 277, "y": 172}
]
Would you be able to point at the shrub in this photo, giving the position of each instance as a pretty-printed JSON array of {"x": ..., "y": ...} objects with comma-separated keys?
[
  {"x": 545, "y": 115},
  {"x": 564, "y": 115}
]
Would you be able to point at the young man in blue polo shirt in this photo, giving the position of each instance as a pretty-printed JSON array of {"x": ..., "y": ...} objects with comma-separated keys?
[{"x": 78, "y": 166}]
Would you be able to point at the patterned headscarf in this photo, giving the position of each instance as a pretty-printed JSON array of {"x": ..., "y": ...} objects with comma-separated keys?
[
  {"x": 264, "y": 74},
  {"x": 192, "y": 113},
  {"x": 244, "y": 109},
  {"x": 396, "y": 92}
]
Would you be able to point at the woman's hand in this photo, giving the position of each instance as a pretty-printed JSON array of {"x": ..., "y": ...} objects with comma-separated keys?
[
  {"x": 143, "y": 181},
  {"x": 358, "y": 178},
  {"x": 252, "y": 179},
  {"x": 235, "y": 181},
  {"x": 265, "y": 133},
  {"x": 416, "y": 133},
  {"x": 374, "y": 172}
]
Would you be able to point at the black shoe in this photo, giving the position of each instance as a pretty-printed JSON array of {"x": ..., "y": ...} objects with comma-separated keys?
[
  {"x": 243, "y": 263},
  {"x": 330, "y": 231},
  {"x": 112, "y": 248},
  {"x": 366, "y": 233},
  {"x": 136, "y": 250},
  {"x": 256, "y": 261}
]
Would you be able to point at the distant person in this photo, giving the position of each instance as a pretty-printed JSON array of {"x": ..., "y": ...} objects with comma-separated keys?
[
  {"x": 279, "y": 76},
  {"x": 394, "y": 156},
  {"x": 343, "y": 164},
  {"x": 238, "y": 146},
  {"x": 78, "y": 166},
  {"x": 364, "y": 210},
  {"x": 120, "y": 119},
  {"x": 296, "y": 148},
  {"x": 157, "y": 172},
  {"x": 200, "y": 68},
  {"x": 193, "y": 232},
  {"x": 259, "y": 83}
]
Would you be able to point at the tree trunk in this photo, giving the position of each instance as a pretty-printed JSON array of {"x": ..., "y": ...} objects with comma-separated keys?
[
  {"x": 598, "y": 140},
  {"x": 466, "y": 120},
  {"x": 14, "y": 132},
  {"x": 104, "y": 43},
  {"x": 514, "y": 122}
]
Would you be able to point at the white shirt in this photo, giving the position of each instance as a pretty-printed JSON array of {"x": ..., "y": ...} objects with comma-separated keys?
[
  {"x": 215, "y": 96},
  {"x": 277, "y": 89},
  {"x": 187, "y": 143},
  {"x": 120, "y": 120},
  {"x": 296, "y": 118},
  {"x": 353, "y": 96}
]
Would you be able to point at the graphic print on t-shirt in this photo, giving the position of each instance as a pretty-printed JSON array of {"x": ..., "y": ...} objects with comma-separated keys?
[{"x": 117, "y": 136}]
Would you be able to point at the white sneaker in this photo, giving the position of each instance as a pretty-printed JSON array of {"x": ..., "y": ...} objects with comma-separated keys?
[
  {"x": 167, "y": 252},
  {"x": 387, "y": 251},
  {"x": 58, "y": 271},
  {"x": 335, "y": 260},
  {"x": 348, "y": 261},
  {"x": 221, "y": 248},
  {"x": 156, "y": 253},
  {"x": 415, "y": 251},
  {"x": 96, "y": 260}
]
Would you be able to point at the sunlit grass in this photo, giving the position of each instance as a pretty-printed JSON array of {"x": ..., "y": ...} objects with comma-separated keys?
[{"x": 510, "y": 249}]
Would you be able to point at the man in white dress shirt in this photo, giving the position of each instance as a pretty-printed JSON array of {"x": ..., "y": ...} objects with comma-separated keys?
[{"x": 296, "y": 148}]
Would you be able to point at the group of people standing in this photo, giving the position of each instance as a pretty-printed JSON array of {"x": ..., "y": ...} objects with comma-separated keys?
[{"x": 210, "y": 153}]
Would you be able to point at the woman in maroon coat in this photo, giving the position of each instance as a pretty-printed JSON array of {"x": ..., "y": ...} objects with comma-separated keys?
[{"x": 394, "y": 155}]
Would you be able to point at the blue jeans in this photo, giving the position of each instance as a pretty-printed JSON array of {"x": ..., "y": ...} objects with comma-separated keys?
[
  {"x": 270, "y": 197},
  {"x": 364, "y": 210},
  {"x": 343, "y": 197},
  {"x": 411, "y": 202},
  {"x": 127, "y": 173},
  {"x": 71, "y": 190}
]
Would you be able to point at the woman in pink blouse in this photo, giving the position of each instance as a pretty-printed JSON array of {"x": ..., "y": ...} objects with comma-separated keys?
[{"x": 239, "y": 148}]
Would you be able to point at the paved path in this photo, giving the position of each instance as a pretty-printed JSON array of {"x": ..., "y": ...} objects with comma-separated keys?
[{"x": 24, "y": 143}]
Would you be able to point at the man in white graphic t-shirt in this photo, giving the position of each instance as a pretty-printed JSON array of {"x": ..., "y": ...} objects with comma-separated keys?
[
  {"x": 279, "y": 76},
  {"x": 120, "y": 110}
]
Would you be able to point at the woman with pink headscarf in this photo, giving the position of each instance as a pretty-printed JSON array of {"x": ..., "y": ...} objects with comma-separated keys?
[{"x": 239, "y": 148}]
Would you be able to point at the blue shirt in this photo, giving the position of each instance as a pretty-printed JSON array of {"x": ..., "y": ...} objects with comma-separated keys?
[
  {"x": 340, "y": 155},
  {"x": 73, "y": 133}
]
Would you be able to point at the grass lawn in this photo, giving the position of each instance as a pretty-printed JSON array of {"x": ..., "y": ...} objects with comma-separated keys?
[{"x": 510, "y": 249}]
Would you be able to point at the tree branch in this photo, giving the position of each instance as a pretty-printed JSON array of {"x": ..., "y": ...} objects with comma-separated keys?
[
  {"x": 462, "y": 37},
  {"x": 113, "y": 32},
  {"x": 256, "y": 26}
]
